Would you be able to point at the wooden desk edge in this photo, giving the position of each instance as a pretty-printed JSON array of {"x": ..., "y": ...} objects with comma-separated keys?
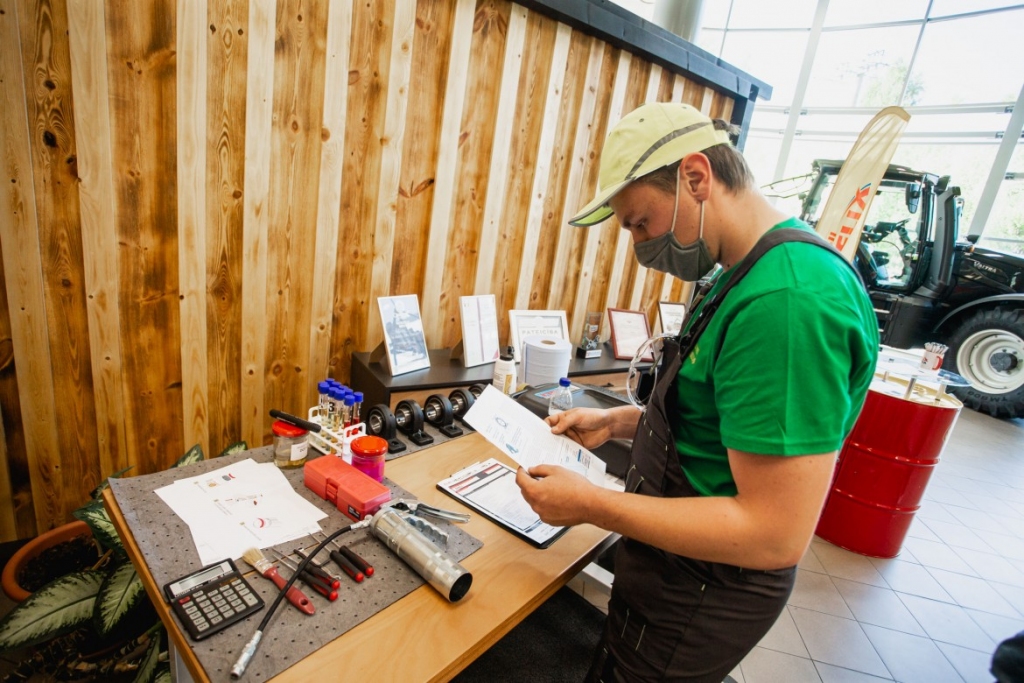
[{"x": 154, "y": 591}]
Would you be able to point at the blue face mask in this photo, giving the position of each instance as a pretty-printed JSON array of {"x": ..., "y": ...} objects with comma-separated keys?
[{"x": 688, "y": 262}]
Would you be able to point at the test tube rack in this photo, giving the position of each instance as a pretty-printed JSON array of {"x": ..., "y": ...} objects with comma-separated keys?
[{"x": 332, "y": 441}]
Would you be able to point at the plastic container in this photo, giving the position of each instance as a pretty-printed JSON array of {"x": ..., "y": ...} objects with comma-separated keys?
[
  {"x": 504, "y": 378},
  {"x": 290, "y": 444},
  {"x": 368, "y": 456},
  {"x": 561, "y": 400}
]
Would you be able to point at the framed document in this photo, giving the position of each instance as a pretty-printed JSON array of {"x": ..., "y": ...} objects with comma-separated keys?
[
  {"x": 672, "y": 316},
  {"x": 479, "y": 329},
  {"x": 403, "y": 333},
  {"x": 528, "y": 323},
  {"x": 629, "y": 330}
]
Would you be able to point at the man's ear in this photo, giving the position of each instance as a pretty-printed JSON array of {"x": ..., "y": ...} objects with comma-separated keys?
[{"x": 695, "y": 176}]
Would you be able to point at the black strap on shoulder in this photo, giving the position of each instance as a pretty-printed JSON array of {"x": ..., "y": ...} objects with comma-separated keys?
[{"x": 771, "y": 239}]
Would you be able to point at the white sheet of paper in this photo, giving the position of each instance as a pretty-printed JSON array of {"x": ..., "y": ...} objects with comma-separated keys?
[
  {"x": 527, "y": 439},
  {"x": 240, "y": 506}
]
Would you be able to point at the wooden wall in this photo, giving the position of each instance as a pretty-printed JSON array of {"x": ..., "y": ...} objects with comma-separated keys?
[{"x": 202, "y": 200}]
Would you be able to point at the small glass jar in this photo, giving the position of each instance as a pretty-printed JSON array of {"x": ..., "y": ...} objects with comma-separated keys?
[
  {"x": 368, "y": 456},
  {"x": 290, "y": 444}
]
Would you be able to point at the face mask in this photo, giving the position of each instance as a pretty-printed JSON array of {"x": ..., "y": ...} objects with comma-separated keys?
[{"x": 688, "y": 262}]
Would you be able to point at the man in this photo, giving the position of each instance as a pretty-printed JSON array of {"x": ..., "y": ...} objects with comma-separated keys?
[{"x": 733, "y": 456}]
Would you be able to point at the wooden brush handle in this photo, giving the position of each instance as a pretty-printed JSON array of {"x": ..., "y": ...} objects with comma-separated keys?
[{"x": 294, "y": 595}]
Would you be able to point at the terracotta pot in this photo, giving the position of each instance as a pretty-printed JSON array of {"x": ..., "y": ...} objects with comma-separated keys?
[{"x": 32, "y": 549}]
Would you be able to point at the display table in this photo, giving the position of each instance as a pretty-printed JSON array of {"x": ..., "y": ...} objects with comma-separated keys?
[
  {"x": 445, "y": 375},
  {"x": 421, "y": 637}
]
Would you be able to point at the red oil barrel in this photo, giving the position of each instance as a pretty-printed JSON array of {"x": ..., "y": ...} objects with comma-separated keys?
[{"x": 884, "y": 467}]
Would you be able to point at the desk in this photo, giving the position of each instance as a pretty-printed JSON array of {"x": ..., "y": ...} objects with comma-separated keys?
[{"x": 437, "y": 639}]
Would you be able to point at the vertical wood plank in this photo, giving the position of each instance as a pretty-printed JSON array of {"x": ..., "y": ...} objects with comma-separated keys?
[
  {"x": 47, "y": 73},
  {"x": 595, "y": 234},
  {"x": 490, "y": 28},
  {"x": 542, "y": 171},
  {"x": 8, "y": 523},
  {"x": 88, "y": 51},
  {"x": 447, "y": 160},
  {"x": 564, "y": 270},
  {"x": 431, "y": 52},
  {"x": 258, "y": 114},
  {"x": 299, "y": 63},
  {"x": 19, "y": 233},
  {"x": 332, "y": 149},
  {"x": 191, "y": 51},
  {"x": 392, "y": 142},
  {"x": 494, "y": 204},
  {"x": 14, "y": 469},
  {"x": 227, "y": 47}
]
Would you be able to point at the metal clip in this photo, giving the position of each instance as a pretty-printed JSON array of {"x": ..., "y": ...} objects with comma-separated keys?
[{"x": 422, "y": 509}]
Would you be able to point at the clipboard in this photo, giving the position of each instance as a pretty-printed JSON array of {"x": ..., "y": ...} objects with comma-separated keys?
[{"x": 489, "y": 488}]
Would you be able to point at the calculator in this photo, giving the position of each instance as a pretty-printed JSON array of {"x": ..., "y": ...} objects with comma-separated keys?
[{"x": 212, "y": 599}]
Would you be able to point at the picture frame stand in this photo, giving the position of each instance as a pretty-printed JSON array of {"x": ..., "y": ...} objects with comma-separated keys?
[{"x": 458, "y": 351}]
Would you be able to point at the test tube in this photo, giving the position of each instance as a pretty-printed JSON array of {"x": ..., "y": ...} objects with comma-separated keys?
[
  {"x": 356, "y": 407},
  {"x": 322, "y": 389},
  {"x": 346, "y": 409},
  {"x": 332, "y": 408}
]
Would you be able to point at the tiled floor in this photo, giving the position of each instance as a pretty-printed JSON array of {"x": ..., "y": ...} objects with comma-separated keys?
[{"x": 936, "y": 612}]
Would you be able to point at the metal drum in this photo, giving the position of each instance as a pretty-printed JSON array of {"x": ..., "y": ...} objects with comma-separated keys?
[{"x": 885, "y": 465}]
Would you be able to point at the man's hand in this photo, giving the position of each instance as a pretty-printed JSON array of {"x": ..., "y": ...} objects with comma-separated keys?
[
  {"x": 589, "y": 427},
  {"x": 558, "y": 496}
]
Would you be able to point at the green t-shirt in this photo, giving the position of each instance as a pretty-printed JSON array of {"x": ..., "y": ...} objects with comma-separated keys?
[{"x": 782, "y": 368}]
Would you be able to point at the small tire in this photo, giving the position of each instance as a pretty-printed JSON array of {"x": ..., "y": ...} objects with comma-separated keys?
[{"x": 987, "y": 349}]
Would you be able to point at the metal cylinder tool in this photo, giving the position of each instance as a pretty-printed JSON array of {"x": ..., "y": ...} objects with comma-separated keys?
[{"x": 446, "y": 575}]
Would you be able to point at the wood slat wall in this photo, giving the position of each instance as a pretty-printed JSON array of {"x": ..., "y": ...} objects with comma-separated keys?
[{"x": 203, "y": 200}]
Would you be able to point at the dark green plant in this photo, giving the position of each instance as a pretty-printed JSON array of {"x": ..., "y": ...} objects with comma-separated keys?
[{"x": 96, "y": 623}]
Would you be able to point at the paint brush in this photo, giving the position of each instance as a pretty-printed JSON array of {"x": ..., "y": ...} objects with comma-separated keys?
[{"x": 266, "y": 568}]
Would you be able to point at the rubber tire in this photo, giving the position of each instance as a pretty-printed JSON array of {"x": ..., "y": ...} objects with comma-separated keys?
[{"x": 1010, "y": 404}]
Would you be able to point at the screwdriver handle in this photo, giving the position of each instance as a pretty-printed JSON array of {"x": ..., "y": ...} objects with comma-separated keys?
[
  {"x": 359, "y": 562},
  {"x": 347, "y": 567}
]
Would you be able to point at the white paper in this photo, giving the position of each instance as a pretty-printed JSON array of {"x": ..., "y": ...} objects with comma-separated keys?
[
  {"x": 479, "y": 329},
  {"x": 241, "y": 506},
  {"x": 527, "y": 439}
]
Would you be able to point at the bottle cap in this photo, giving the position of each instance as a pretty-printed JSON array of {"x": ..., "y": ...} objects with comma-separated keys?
[
  {"x": 369, "y": 446},
  {"x": 509, "y": 354},
  {"x": 349, "y": 399},
  {"x": 323, "y": 387},
  {"x": 282, "y": 428},
  {"x": 564, "y": 382},
  {"x": 359, "y": 397}
]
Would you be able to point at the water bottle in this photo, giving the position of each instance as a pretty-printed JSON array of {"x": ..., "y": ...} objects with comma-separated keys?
[{"x": 561, "y": 400}]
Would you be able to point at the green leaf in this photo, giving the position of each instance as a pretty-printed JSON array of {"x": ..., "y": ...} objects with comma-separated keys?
[
  {"x": 149, "y": 666},
  {"x": 236, "y": 447},
  {"x": 95, "y": 515},
  {"x": 195, "y": 454},
  {"x": 120, "y": 593},
  {"x": 57, "y": 608},
  {"x": 163, "y": 674}
]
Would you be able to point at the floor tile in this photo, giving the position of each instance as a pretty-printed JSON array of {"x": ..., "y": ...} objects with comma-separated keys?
[
  {"x": 737, "y": 675},
  {"x": 998, "y": 628},
  {"x": 948, "y": 623},
  {"x": 1003, "y": 544},
  {"x": 933, "y": 510},
  {"x": 1013, "y": 594},
  {"x": 969, "y": 591},
  {"x": 878, "y": 606},
  {"x": 972, "y": 666},
  {"x": 908, "y": 577},
  {"x": 817, "y": 592},
  {"x": 837, "y": 674},
  {"x": 918, "y": 529},
  {"x": 959, "y": 535},
  {"x": 975, "y": 519},
  {"x": 837, "y": 641},
  {"x": 946, "y": 495},
  {"x": 847, "y": 565},
  {"x": 810, "y": 561},
  {"x": 938, "y": 554},
  {"x": 769, "y": 666},
  {"x": 784, "y": 637},
  {"x": 911, "y": 659},
  {"x": 992, "y": 567}
]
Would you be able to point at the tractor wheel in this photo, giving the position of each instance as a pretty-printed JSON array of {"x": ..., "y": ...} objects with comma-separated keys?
[{"x": 988, "y": 350}]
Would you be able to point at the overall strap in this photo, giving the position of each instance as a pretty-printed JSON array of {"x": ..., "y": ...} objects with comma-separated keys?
[{"x": 771, "y": 239}]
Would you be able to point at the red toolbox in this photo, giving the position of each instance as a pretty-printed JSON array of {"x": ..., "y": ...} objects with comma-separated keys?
[{"x": 355, "y": 494}]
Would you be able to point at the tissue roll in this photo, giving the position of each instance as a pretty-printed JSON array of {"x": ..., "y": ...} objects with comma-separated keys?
[{"x": 545, "y": 359}]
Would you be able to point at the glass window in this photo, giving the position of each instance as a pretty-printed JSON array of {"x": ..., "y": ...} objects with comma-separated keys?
[
  {"x": 805, "y": 151},
  {"x": 715, "y": 13},
  {"x": 775, "y": 14},
  {"x": 858, "y": 12},
  {"x": 967, "y": 165},
  {"x": 1004, "y": 229},
  {"x": 772, "y": 56},
  {"x": 991, "y": 124},
  {"x": 762, "y": 154},
  {"x": 711, "y": 40},
  {"x": 944, "y": 8},
  {"x": 976, "y": 59},
  {"x": 861, "y": 67}
]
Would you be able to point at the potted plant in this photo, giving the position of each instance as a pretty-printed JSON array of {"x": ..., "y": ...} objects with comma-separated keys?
[
  {"x": 98, "y": 623},
  {"x": 70, "y": 544}
]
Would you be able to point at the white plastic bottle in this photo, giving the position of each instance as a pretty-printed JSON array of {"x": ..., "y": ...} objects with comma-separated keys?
[
  {"x": 561, "y": 400},
  {"x": 505, "y": 373}
]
